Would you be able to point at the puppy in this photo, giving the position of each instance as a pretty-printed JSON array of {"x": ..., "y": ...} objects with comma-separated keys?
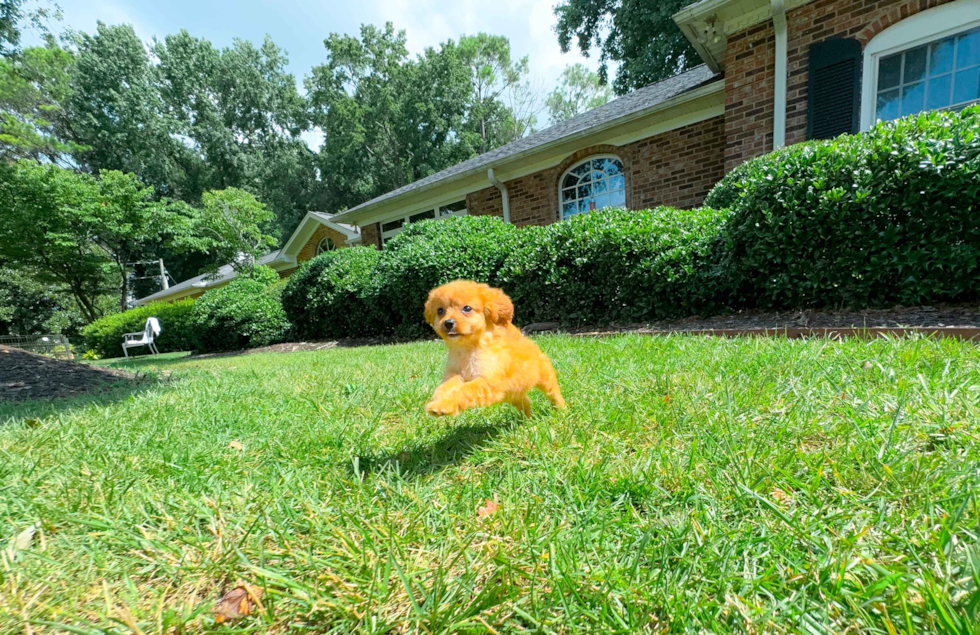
[{"x": 489, "y": 359}]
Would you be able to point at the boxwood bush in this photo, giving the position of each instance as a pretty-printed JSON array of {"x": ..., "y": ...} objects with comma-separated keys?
[
  {"x": 336, "y": 295},
  {"x": 614, "y": 266},
  {"x": 105, "y": 335},
  {"x": 241, "y": 314},
  {"x": 888, "y": 216},
  {"x": 430, "y": 253}
]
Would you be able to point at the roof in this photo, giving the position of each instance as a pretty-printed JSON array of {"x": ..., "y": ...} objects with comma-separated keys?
[
  {"x": 224, "y": 274},
  {"x": 615, "y": 111},
  {"x": 283, "y": 258}
]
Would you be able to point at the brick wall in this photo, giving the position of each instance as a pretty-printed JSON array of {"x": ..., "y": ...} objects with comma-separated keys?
[
  {"x": 676, "y": 168},
  {"x": 371, "y": 235},
  {"x": 309, "y": 249},
  {"x": 750, "y": 66}
]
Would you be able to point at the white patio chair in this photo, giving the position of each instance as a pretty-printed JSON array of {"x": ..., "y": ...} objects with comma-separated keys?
[{"x": 142, "y": 338}]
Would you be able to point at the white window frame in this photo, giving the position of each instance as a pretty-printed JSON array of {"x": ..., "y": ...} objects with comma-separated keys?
[
  {"x": 926, "y": 26},
  {"x": 561, "y": 180},
  {"x": 319, "y": 245},
  {"x": 439, "y": 213}
]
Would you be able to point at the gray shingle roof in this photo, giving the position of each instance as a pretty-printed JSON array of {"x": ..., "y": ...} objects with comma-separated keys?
[{"x": 608, "y": 113}]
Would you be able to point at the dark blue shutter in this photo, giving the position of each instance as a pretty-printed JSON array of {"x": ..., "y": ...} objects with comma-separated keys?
[{"x": 834, "y": 94}]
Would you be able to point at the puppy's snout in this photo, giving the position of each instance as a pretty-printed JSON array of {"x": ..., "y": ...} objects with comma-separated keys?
[{"x": 449, "y": 324}]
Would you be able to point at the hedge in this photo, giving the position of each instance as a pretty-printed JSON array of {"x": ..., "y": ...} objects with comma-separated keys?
[
  {"x": 883, "y": 217},
  {"x": 336, "y": 295},
  {"x": 430, "y": 253},
  {"x": 613, "y": 266},
  {"x": 241, "y": 314},
  {"x": 177, "y": 333}
]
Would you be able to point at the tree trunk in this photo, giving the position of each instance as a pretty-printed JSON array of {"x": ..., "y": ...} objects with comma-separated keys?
[{"x": 123, "y": 288}]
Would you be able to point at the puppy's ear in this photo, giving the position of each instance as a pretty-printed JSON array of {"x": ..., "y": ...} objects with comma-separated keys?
[
  {"x": 497, "y": 306},
  {"x": 431, "y": 306}
]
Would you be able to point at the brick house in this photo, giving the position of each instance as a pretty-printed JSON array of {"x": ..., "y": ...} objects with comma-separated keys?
[
  {"x": 774, "y": 72},
  {"x": 315, "y": 234}
]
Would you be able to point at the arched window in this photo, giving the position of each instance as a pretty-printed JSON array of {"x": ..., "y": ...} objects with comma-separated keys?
[
  {"x": 592, "y": 184},
  {"x": 325, "y": 245},
  {"x": 928, "y": 61}
]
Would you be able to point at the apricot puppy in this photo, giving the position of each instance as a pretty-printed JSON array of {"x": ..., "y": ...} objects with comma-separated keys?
[{"x": 489, "y": 359}]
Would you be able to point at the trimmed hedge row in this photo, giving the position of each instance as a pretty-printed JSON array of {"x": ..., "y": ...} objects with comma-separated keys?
[
  {"x": 245, "y": 313},
  {"x": 105, "y": 335},
  {"x": 888, "y": 216}
]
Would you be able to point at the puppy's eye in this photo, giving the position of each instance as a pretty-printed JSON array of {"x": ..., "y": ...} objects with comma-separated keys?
[
  {"x": 441, "y": 312},
  {"x": 467, "y": 309}
]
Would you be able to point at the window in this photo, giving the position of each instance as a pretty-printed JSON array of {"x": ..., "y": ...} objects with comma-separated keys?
[
  {"x": 929, "y": 61},
  {"x": 325, "y": 245},
  {"x": 593, "y": 184},
  {"x": 393, "y": 227}
]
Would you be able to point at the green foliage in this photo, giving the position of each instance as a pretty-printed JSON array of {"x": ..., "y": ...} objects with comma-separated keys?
[
  {"x": 177, "y": 330},
  {"x": 639, "y": 37},
  {"x": 613, "y": 266},
  {"x": 231, "y": 227},
  {"x": 578, "y": 90},
  {"x": 336, "y": 295},
  {"x": 887, "y": 216},
  {"x": 240, "y": 314},
  {"x": 429, "y": 253}
]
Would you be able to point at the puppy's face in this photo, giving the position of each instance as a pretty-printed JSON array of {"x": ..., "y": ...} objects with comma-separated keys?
[{"x": 461, "y": 311}]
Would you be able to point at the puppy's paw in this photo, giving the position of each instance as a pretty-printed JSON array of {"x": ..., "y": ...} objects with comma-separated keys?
[{"x": 441, "y": 408}]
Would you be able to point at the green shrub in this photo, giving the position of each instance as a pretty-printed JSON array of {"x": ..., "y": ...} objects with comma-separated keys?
[
  {"x": 240, "y": 314},
  {"x": 430, "y": 253},
  {"x": 105, "y": 335},
  {"x": 888, "y": 216},
  {"x": 336, "y": 295},
  {"x": 613, "y": 266}
]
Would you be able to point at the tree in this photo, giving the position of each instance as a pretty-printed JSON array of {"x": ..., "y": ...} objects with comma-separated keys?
[
  {"x": 639, "y": 35},
  {"x": 231, "y": 227},
  {"x": 578, "y": 90},
  {"x": 493, "y": 74},
  {"x": 387, "y": 120},
  {"x": 43, "y": 230},
  {"x": 33, "y": 87}
]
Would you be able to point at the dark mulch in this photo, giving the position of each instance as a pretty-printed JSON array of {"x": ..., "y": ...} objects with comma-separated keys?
[
  {"x": 937, "y": 316},
  {"x": 25, "y": 375}
]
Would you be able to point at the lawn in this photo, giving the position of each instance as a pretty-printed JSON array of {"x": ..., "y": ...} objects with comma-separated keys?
[{"x": 693, "y": 484}]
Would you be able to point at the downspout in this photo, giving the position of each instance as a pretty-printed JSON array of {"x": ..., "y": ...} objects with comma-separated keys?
[
  {"x": 779, "y": 106},
  {"x": 504, "y": 196}
]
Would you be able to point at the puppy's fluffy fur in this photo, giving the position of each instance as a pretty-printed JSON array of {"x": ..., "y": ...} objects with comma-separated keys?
[{"x": 489, "y": 359}]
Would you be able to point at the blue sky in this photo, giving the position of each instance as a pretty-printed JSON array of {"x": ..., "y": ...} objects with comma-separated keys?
[{"x": 300, "y": 26}]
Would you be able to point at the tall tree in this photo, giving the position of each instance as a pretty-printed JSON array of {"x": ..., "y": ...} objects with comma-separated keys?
[
  {"x": 33, "y": 88},
  {"x": 232, "y": 226},
  {"x": 116, "y": 110},
  {"x": 638, "y": 35},
  {"x": 578, "y": 90},
  {"x": 494, "y": 73},
  {"x": 387, "y": 120}
]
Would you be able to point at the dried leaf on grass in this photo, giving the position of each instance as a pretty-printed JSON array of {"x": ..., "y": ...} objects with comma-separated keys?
[
  {"x": 237, "y": 603},
  {"x": 21, "y": 541},
  {"x": 235, "y": 445},
  {"x": 489, "y": 508}
]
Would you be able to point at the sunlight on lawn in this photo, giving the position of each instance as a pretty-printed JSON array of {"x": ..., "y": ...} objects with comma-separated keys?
[{"x": 692, "y": 484}]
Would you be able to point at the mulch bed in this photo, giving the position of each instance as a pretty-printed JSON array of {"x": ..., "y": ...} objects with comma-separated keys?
[{"x": 25, "y": 375}]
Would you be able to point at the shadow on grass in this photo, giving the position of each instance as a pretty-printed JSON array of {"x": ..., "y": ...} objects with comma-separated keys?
[
  {"x": 28, "y": 411},
  {"x": 457, "y": 444}
]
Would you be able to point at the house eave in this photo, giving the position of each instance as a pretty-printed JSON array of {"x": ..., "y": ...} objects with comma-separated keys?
[{"x": 510, "y": 168}]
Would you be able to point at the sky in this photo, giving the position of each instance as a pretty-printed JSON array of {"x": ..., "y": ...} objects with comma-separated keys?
[{"x": 299, "y": 26}]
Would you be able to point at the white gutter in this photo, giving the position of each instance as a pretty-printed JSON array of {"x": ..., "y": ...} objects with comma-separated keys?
[
  {"x": 504, "y": 196},
  {"x": 779, "y": 105}
]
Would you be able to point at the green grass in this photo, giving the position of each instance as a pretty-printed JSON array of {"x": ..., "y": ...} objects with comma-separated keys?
[{"x": 693, "y": 484}]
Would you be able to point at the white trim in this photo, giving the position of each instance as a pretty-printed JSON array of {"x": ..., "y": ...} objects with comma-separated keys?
[
  {"x": 923, "y": 27},
  {"x": 589, "y": 159},
  {"x": 332, "y": 246},
  {"x": 778, "y": 9},
  {"x": 437, "y": 214}
]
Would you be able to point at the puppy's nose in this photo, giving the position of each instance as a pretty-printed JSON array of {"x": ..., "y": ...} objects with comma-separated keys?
[{"x": 449, "y": 324}]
